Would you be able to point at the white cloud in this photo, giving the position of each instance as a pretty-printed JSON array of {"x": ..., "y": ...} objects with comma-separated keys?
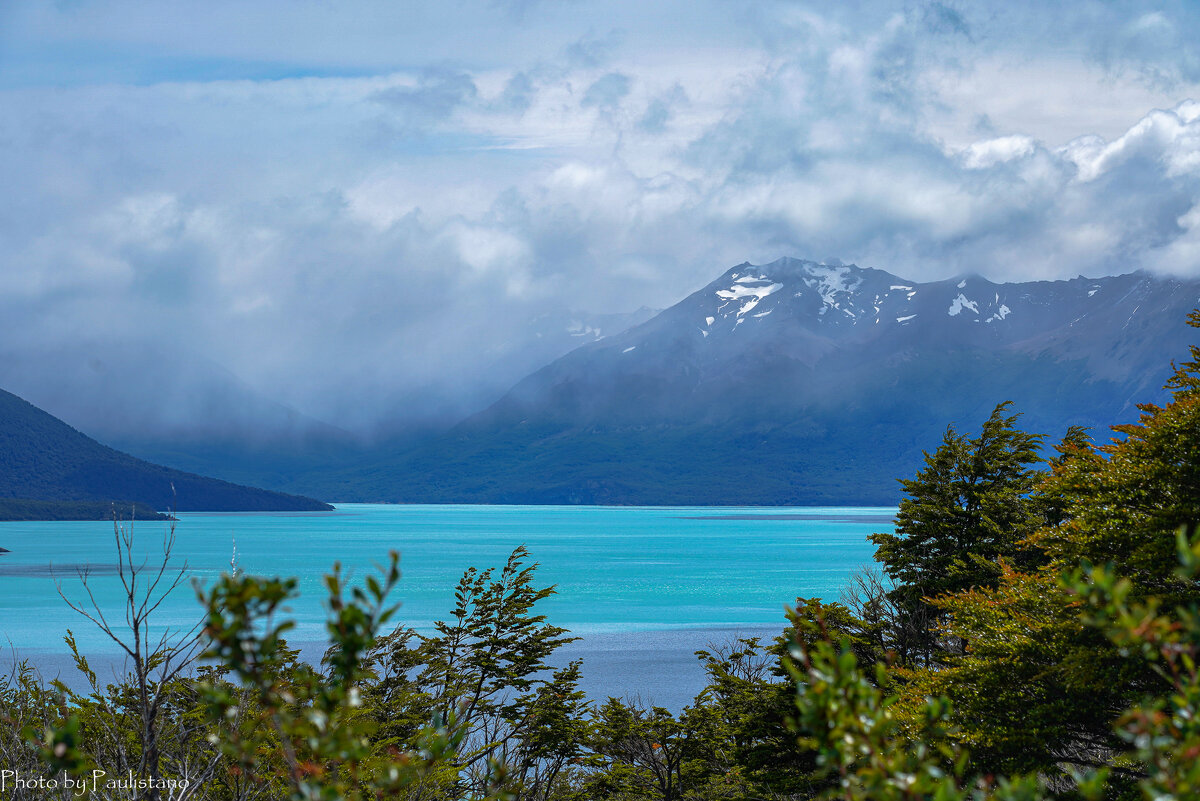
[{"x": 990, "y": 152}]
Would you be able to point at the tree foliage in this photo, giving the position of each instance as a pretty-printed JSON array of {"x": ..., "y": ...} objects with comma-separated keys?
[{"x": 968, "y": 508}]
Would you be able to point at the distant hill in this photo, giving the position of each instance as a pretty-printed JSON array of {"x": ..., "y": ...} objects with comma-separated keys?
[
  {"x": 799, "y": 383},
  {"x": 42, "y": 459}
]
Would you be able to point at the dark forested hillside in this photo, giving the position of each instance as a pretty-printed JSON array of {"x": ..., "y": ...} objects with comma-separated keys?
[{"x": 44, "y": 459}]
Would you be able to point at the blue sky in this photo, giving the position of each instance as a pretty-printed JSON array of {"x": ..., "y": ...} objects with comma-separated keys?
[{"x": 377, "y": 187}]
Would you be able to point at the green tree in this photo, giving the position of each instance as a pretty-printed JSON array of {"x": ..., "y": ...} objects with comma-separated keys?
[
  {"x": 967, "y": 509},
  {"x": 310, "y": 737},
  {"x": 1163, "y": 731},
  {"x": 741, "y": 717},
  {"x": 869, "y": 749},
  {"x": 487, "y": 668},
  {"x": 639, "y": 753}
]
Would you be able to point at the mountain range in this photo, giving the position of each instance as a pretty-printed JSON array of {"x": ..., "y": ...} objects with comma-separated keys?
[{"x": 797, "y": 383}]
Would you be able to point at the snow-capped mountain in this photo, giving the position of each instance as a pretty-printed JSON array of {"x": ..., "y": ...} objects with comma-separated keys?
[
  {"x": 811, "y": 310},
  {"x": 798, "y": 382},
  {"x": 853, "y": 304}
]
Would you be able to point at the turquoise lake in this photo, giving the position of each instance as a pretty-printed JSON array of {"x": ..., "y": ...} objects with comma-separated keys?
[{"x": 643, "y": 586}]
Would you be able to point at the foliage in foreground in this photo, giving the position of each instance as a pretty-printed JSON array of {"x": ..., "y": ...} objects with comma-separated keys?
[{"x": 871, "y": 748}]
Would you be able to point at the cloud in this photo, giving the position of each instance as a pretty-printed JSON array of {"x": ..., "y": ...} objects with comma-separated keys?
[
  {"x": 990, "y": 152},
  {"x": 606, "y": 92},
  {"x": 942, "y": 18},
  {"x": 435, "y": 96},
  {"x": 518, "y": 93},
  {"x": 591, "y": 51},
  {"x": 1155, "y": 45},
  {"x": 660, "y": 110}
]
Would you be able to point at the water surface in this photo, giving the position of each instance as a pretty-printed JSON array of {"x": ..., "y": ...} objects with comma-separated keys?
[{"x": 644, "y": 586}]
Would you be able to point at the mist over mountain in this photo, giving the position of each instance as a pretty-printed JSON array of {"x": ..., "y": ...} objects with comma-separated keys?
[
  {"x": 126, "y": 390},
  {"x": 797, "y": 382},
  {"x": 179, "y": 408},
  {"x": 491, "y": 365}
]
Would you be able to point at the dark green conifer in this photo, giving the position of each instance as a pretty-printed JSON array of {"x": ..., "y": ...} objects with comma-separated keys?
[{"x": 965, "y": 511}]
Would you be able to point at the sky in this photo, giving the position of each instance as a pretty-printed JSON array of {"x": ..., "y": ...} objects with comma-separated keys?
[{"x": 345, "y": 207}]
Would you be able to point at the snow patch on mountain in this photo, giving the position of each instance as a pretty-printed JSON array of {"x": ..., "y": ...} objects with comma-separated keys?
[
  {"x": 743, "y": 291},
  {"x": 829, "y": 282},
  {"x": 748, "y": 306},
  {"x": 960, "y": 303},
  {"x": 1000, "y": 314},
  {"x": 578, "y": 329}
]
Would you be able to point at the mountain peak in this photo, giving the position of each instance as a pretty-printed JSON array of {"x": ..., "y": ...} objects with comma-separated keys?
[
  {"x": 814, "y": 289},
  {"x": 962, "y": 280},
  {"x": 790, "y": 266}
]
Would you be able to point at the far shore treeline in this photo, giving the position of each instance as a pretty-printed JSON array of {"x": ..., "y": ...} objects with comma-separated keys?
[{"x": 1030, "y": 631}]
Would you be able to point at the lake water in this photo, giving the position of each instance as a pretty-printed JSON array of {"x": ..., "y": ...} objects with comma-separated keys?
[{"x": 644, "y": 587}]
